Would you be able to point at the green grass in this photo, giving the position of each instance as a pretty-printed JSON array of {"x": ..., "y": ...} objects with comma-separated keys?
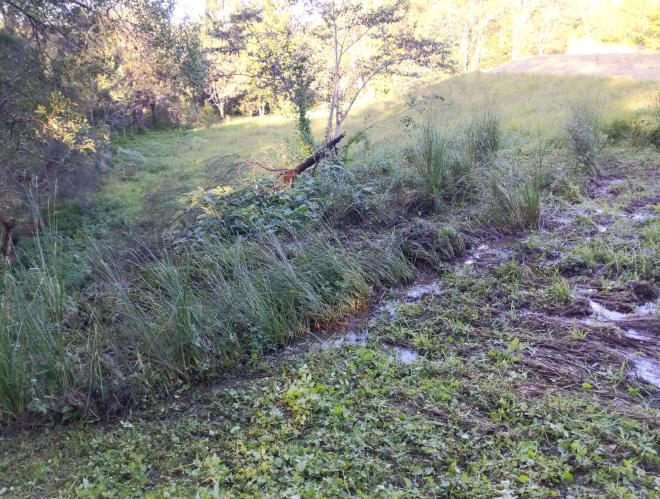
[
  {"x": 506, "y": 398},
  {"x": 182, "y": 314},
  {"x": 475, "y": 416},
  {"x": 526, "y": 105}
]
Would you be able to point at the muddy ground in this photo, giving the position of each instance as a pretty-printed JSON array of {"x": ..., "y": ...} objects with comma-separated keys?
[{"x": 527, "y": 367}]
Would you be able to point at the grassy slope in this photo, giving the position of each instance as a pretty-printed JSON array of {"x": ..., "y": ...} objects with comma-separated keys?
[
  {"x": 506, "y": 398},
  {"x": 498, "y": 404},
  {"x": 529, "y": 104}
]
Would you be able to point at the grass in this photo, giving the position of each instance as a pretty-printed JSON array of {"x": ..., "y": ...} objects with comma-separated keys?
[
  {"x": 176, "y": 162},
  {"x": 585, "y": 136},
  {"x": 174, "y": 316},
  {"x": 498, "y": 402},
  {"x": 507, "y": 393},
  {"x": 445, "y": 169},
  {"x": 516, "y": 198},
  {"x": 188, "y": 312}
]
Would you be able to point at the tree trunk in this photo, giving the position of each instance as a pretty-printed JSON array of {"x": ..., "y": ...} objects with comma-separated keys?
[
  {"x": 464, "y": 50},
  {"x": 331, "y": 110},
  {"x": 153, "y": 114},
  {"x": 474, "y": 63},
  {"x": 7, "y": 242}
]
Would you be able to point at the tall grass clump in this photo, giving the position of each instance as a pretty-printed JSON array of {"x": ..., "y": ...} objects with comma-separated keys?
[
  {"x": 445, "y": 172},
  {"x": 35, "y": 365},
  {"x": 585, "y": 136},
  {"x": 483, "y": 137},
  {"x": 516, "y": 198},
  {"x": 185, "y": 314}
]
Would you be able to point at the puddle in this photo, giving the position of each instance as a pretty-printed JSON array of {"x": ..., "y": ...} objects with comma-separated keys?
[
  {"x": 418, "y": 291},
  {"x": 604, "y": 313},
  {"x": 351, "y": 338},
  {"x": 355, "y": 330},
  {"x": 485, "y": 254},
  {"x": 640, "y": 325},
  {"x": 398, "y": 353},
  {"x": 424, "y": 285},
  {"x": 633, "y": 334},
  {"x": 389, "y": 307},
  {"x": 402, "y": 354},
  {"x": 639, "y": 216},
  {"x": 649, "y": 308},
  {"x": 647, "y": 370}
]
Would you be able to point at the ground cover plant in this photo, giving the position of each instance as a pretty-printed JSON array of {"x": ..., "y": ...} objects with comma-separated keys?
[
  {"x": 514, "y": 247},
  {"x": 329, "y": 248},
  {"x": 518, "y": 384}
]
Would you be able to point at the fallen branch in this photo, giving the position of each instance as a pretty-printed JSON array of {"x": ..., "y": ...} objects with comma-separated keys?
[{"x": 288, "y": 176}]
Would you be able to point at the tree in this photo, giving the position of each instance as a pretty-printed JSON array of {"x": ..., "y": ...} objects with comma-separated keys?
[
  {"x": 45, "y": 140},
  {"x": 521, "y": 12},
  {"x": 58, "y": 62},
  {"x": 277, "y": 58},
  {"x": 363, "y": 42}
]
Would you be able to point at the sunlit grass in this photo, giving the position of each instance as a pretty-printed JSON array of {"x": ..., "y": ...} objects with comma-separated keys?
[{"x": 528, "y": 105}]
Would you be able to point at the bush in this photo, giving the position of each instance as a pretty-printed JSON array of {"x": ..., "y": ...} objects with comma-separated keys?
[
  {"x": 446, "y": 172},
  {"x": 207, "y": 115},
  {"x": 585, "y": 137},
  {"x": 251, "y": 209}
]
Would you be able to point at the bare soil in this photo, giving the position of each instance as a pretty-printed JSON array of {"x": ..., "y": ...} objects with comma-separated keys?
[{"x": 634, "y": 66}]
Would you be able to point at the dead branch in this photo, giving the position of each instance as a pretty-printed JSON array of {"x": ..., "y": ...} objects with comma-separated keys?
[{"x": 288, "y": 176}]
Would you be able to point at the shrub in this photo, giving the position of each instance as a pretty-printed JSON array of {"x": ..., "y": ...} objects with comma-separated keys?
[
  {"x": 585, "y": 137},
  {"x": 251, "y": 209},
  {"x": 207, "y": 115}
]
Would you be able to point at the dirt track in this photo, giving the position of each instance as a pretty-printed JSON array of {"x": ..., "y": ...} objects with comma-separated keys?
[{"x": 635, "y": 66}]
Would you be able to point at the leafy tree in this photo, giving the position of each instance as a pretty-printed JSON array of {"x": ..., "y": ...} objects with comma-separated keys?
[
  {"x": 362, "y": 42},
  {"x": 277, "y": 58},
  {"x": 60, "y": 62}
]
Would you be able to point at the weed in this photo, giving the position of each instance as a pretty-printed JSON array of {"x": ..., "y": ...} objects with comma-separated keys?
[
  {"x": 585, "y": 136},
  {"x": 577, "y": 334},
  {"x": 516, "y": 199},
  {"x": 445, "y": 172},
  {"x": 560, "y": 291}
]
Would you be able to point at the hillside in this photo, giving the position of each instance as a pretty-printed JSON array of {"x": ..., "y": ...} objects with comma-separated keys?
[
  {"x": 171, "y": 163},
  {"x": 637, "y": 66}
]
